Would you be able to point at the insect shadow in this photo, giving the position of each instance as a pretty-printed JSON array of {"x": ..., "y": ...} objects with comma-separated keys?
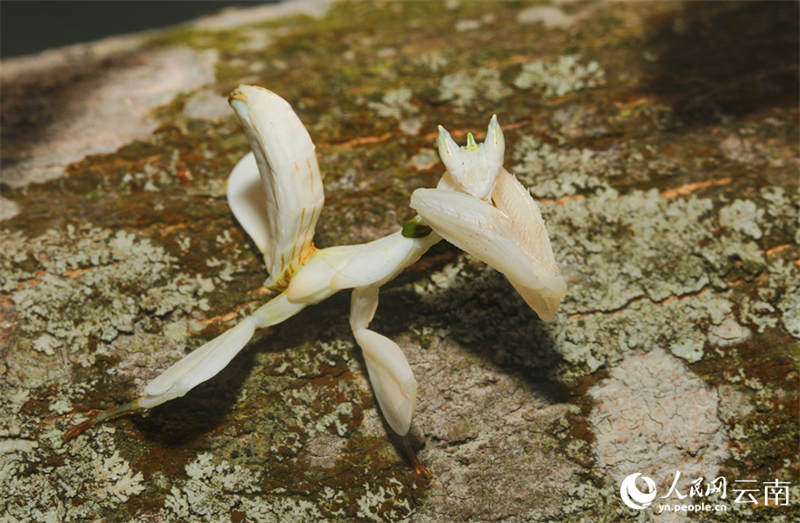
[{"x": 484, "y": 315}]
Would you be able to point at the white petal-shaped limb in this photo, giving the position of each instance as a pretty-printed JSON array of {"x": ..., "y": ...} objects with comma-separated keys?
[
  {"x": 389, "y": 372},
  {"x": 292, "y": 186},
  {"x": 492, "y": 236},
  {"x": 207, "y": 361}
]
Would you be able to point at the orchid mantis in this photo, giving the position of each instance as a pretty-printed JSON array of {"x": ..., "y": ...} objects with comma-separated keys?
[{"x": 276, "y": 194}]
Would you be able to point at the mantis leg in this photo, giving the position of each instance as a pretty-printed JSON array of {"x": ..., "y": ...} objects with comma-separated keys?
[
  {"x": 389, "y": 372},
  {"x": 203, "y": 363},
  {"x": 207, "y": 361}
]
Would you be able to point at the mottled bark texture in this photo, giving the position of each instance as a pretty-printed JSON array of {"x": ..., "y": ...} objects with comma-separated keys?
[{"x": 661, "y": 140}]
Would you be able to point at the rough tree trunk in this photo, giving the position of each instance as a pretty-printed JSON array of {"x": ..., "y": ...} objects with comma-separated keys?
[{"x": 661, "y": 140}]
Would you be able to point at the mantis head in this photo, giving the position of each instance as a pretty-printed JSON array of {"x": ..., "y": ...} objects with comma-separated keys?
[{"x": 474, "y": 168}]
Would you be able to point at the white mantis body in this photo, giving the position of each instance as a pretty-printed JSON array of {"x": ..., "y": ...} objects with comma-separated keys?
[{"x": 276, "y": 194}]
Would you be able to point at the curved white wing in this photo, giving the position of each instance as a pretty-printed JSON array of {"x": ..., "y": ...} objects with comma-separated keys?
[
  {"x": 248, "y": 201},
  {"x": 292, "y": 185}
]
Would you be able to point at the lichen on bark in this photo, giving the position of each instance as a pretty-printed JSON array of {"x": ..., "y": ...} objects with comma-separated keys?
[{"x": 660, "y": 140}]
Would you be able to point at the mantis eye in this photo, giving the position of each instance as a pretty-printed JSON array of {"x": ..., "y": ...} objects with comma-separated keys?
[{"x": 450, "y": 153}]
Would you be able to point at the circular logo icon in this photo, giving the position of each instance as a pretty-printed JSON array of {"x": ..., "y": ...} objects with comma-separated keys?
[{"x": 635, "y": 498}]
